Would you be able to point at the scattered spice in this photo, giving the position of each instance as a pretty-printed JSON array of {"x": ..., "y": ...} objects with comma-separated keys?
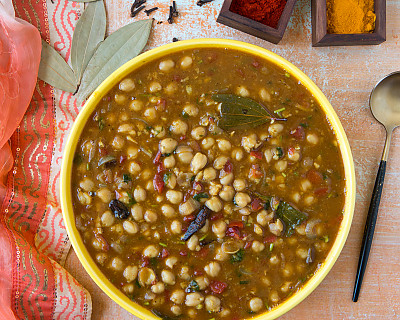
[
  {"x": 203, "y": 2},
  {"x": 150, "y": 10},
  {"x": 350, "y": 16},
  {"x": 267, "y": 12},
  {"x": 175, "y": 39},
  {"x": 134, "y": 13},
  {"x": 173, "y": 12}
]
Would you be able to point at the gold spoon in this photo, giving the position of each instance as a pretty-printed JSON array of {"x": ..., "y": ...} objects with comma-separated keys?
[{"x": 385, "y": 106}]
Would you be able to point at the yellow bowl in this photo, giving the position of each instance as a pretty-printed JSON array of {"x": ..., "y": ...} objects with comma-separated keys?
[{"x": 118, "y": 75}]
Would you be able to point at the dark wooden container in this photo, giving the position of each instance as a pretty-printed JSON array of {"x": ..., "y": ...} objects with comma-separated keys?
[
  {"x": 256, "y": 28},
  {"x": 320, "y": 37}
]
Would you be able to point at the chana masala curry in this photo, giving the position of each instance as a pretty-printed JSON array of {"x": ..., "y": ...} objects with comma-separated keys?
[{"x": 208, "y": 184}]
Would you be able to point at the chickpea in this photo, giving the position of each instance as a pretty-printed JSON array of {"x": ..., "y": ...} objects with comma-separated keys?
[
  {"x": 155, "y": 87},
  {"x": 214, "y": 204},
  {"x": 146, "y": 276},
  {"x": 171, "y": 261},
  {"x": 101, "y": 258},
  {"x": 256, "y": 304},
  {"x": 185, "y": 154},
  {"x": 249, "y": 142},
  {"x": 296, "y": 197},
  {"x": 166, "y": 65},
  {"x": 309, "y": 200},
  {"x": 87, "y": 184},
  {"x": 179, "y": 127},
  {"x": 130, "y": 227},
  {"x": 84, "y": 198},
  {"x": 186, "y": 62},
  {"x": 225, "y": 178},
  {"x": 274, "y": 260},
  {"x": 127, "y": 85},
  {"x": 312, "y": 138},
  {"x": 174, "y": 197},
  {"x": 117, "y": 264},
  {"x": 258, "y": 229},
  {"x": 120, "y": 98},
  {"x": 219, "y": 228},
  {"x": 137, "y": 212},
  {"x": 276, "y": 228},
  {"x": 191, "y": 110},
  {"x": 265, "y": 95},
  {"x": 198, "y": 133},
  {"x": 305, "y": 184},
  {"x": 203, "y": 282},
  {"x": 134, "y": 168},
  {"x": 136, "y": 105},
  {"x": 242, "y": 91},
  {"x": 209, "y": 174},
  {"x": 293, "y": 154},
  {"x": 167, "y": 145},
  {"x": 242, "y": 199},
  {"x": 275, "y": 128},
  {"x": 227, "y": 193},
  {"x": 171, "y": 88},
  {"x": 118, "y": 142},
  {"x": 169, "y": 162},
  {"x": 302, "y": 253},
  {"x": 207, "y": 143},
  {"x": 212, "y": 303},
  {"x": 239, "y": 184},
  {"x": 158, "y": 288},
  {"x": 193, "y": 243},
  {"x": 176, "y": 227},
  {"x": 130, "y": 273},
  {"x": 220, "y": 162},
  {"x": 151, "y": 251},
  {"x": 168, "y": 277},
  {"x": 184, "y": 274},
  {"x": 176, "y": 310},
  {"x": 221, "y": 255},
  {"x": 139, "y": 194},
  {"x": 199, "y": 161},
  {"x": 194, "y": 299},
  {"x": 171, "y": 183},
  {"x": 268, "y": 155},
  {"x": 132, "y": 153},
  {"x": 212, "y": 269},
  {"x": 263, "y": 217},
  {"x": 150, "y": 216},
  {"x": 274, "y": 297},
  {"x": 168, "y": 211},
  {"x": 188, "y": 207},
  {"x": 150, "y": 113},
  {"x": 107, "y": 219},
  {"x": 281, "y": 165},
  {"x": 237, "y": 154},
  {"x": 224, "y": 145},
  {"x": 257, "y": 246},
  {"x": 215, "y": 188},
  {"x": 177, "y": 296}
]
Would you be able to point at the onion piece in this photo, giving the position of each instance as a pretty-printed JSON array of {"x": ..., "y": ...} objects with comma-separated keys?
[
  {"x": 231, "y": 246},
  {"x": 106, "y": 159},
  {"x": 310, "y": 228}
]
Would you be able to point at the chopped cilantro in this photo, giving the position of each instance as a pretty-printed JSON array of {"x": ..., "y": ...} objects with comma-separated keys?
[
  {"x": 287, "y": 74},
  {"x": 132, "y": 201},
  {"x": 271, "y": 246},
  {"x": 153, "y": 262},
  {"x": 193, "y": 286},
  {"x": 280, "y": 152},
  {"x": 101, "y": 123},
  {"x": 304, "y": 125},
  {"x": 201, "y": 195},
  {"x": 88, "y": 166},
  {"x": 167, "y": 176},
  {"x": 162, "y": 244},
  {"x": 126, "y": 177},
  {"x": 238, "y": 256},
  {"x": 244, "y": 282},
  {"x": 185, "y": 115}
]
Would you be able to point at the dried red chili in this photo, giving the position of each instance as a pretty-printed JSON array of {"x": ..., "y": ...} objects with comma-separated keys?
[{"x": 267, "y": 12}]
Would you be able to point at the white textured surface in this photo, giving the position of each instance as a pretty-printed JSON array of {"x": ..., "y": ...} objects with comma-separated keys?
[{"x": 346, "y": 75}]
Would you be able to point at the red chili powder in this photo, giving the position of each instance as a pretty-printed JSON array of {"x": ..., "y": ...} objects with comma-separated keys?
[{"x": 267, "y": 12}]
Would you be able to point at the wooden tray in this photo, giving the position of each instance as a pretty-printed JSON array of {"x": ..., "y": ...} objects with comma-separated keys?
[
  {"x": 321, "y": 38},
  {"x": 256, "y": 28}
]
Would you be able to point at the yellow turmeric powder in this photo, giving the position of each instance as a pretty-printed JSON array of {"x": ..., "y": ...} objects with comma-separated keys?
[{"x": 350, "y": 16}]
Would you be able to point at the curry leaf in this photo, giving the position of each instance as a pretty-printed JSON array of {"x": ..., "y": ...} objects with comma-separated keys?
[
  {"x": 290, "y": 216},
  {"x": 89, "y": 32},
  {"x": 54, "y": 70},
  {"x": 117, "y": 49},
  {"x": 241, "y": 113}
]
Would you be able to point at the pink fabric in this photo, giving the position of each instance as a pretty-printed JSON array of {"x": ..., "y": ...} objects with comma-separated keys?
[{"x": 20, "y": 48}]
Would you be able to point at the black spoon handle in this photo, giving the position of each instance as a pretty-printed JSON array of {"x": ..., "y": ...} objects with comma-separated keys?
[{"x": 369, "y": 228}]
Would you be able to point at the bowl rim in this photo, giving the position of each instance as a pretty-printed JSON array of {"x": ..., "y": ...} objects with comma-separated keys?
[{"x": 65, "y": 179}]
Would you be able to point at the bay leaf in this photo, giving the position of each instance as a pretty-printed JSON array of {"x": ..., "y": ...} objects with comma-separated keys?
[
  {"x": 54, "y": 70},
  {"x": 117, "y": 49},
  {"x": 89, "y": 32},
  {"x": 240, "y": 113}
]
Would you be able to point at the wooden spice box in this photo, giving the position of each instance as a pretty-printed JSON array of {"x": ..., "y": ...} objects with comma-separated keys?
[
  {"x": 321, "y": 38},
  {"x": 253, "y": 27}
]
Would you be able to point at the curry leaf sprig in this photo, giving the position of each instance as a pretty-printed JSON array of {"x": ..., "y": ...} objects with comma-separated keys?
[
  {"x": 93, "y": 59},
  {"x": 241, "y": 113}
]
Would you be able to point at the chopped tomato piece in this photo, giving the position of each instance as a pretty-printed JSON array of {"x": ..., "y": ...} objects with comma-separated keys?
[
  {"x": 183, "y": 253},
  {"x": 160, "y": 168},
  {"x": 248, "y": 244},
  {"x": 256, "y": 154},
  {"x": 158, "y": 183},
  {"x": 218, "y": 286},
  {"x": 321, "y": 192},
  {"x": 203, "y": 252},
  {"x": 198, "y": 186},
  {"x": 257, "y": 204},
  {"x": 238, "y": 224},
  {"x": 157, "y": 157},
  {"x": 233, "y": 232},
  {"x": 255, "y": 172},
  {"x": 314, "y": 176},
  {"x": 189, "y": 218},
  {"x": 164, "y": 253},
  {"x": 271, "y": 238},
  {"x": 216, "y": 216},
  {"x": 145, "y": 262},
  {"x": 198, "y": 272},
  {"x": 228, "y": 167},
  {"x": 161, "y": 103},
  {"x": 298, "y": 133}
]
